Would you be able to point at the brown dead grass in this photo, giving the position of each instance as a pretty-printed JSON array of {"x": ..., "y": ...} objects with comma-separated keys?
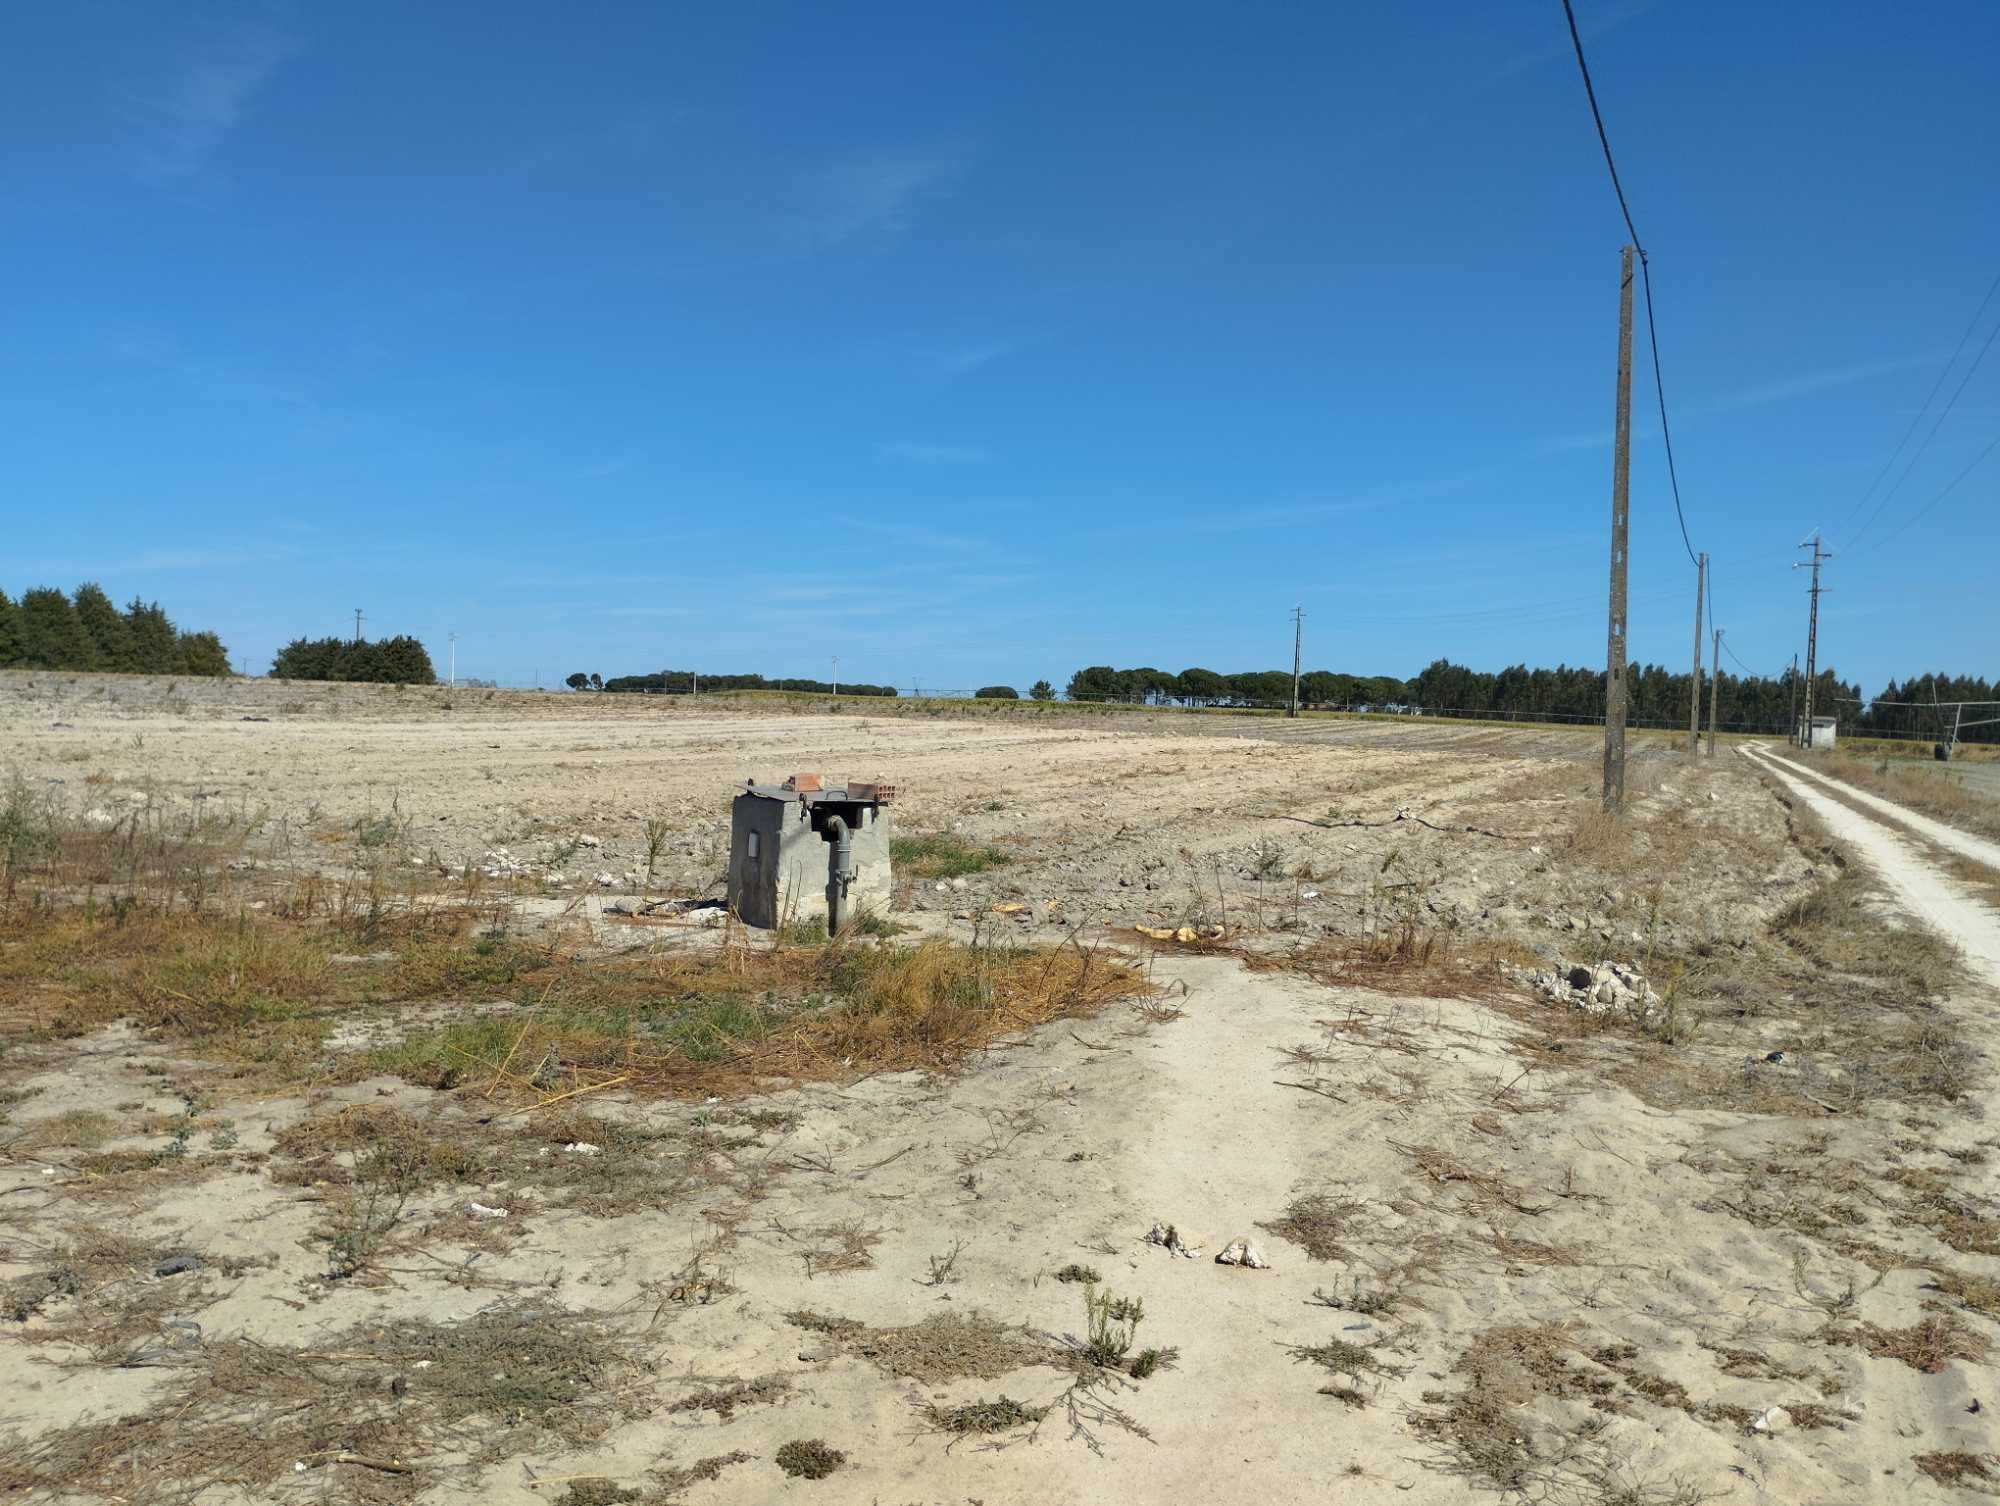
[
  {"x": 242, "y": 1414},
  {"x": 1928, "y": 1346},
  {"x": 1960, "y": 1469},
  {"x": 1317, "y": 1223},
  {"x": 948, "y": 1347}
]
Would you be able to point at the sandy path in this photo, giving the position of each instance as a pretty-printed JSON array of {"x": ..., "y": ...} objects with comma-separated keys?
[
  {"x": 1977, "y": 848},
  {"x": 1927, "y": 894}
]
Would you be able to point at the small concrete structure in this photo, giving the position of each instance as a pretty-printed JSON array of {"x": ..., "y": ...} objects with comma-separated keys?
[
  {"x": 1820, "y": 734},
  {"x": 800, "y": 850}
]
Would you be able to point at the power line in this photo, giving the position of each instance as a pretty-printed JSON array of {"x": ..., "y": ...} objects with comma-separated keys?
[
  {"x": 1645, "y": 277},
  {"x": 1929, "y": 398},
  {"x": 1951, "y": 485},
  {"x": 1943, "y": 414},
  {"x": 1753, "y": 674}
]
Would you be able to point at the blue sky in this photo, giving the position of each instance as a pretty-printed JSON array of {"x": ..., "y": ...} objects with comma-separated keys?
[{"x": 976, "y": 344}]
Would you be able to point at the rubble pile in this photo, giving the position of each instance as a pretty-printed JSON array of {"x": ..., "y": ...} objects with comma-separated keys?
[{"x": 1607, "y": 988}]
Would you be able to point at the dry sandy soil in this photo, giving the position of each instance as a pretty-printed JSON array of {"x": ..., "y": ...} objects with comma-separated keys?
[{"x": 1730, "y": 1237}]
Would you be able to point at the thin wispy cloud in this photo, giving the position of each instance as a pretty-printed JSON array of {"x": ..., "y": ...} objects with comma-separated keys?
[
  {"x": 963, "y": 360},
  {"x": 1808, "y": 383},
  {"x": 923, "y": 453},
  {"x": 874, "y": 192},
  {"x": 206, "y": 95}
]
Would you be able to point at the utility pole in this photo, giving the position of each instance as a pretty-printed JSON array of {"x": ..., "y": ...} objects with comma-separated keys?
[
  {"x": 357, "y": 624},
  {"x": 452, "y": 683},
  {"x": 1694, "y": 689},
  {"x": 1298, "y": 628},
  {"x": 1792, "y": 736},
  {"x": 1714, "y": 688},
  {"x": 1621, "y": 475},
  {"x": 836, "y": 673},
  {"x": 1819, "y": 555}
]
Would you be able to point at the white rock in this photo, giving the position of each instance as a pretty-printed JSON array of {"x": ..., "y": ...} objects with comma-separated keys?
[
  {"x": 1242, "y": 1252},
  {"x": 480, "y": 1210},
  {"x": 605, "y": 881},
  {"x": 590, "y": 841},
  {"x": 1773, "y": 1420},
  {"x": 583, "y": 1148},
  {"x": 1309, "y": 894}
]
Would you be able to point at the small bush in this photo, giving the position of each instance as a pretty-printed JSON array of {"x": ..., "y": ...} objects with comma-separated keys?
[{"x": 809, "y": 1458}]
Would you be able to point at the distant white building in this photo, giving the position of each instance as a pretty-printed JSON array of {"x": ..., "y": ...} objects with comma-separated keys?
[{"x": 1820, "y": 733}]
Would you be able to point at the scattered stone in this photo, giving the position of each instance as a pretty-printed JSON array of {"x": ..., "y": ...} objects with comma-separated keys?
[
  {"x": 1242, "y": 1252},
  {"x": 590, "y": 841},
  {"x": 1170, "y": 1239},
  {"x": 1772, "y": 1420},
  {"x": 480, "y": 1210},
  {"x": 605, "y": 880},
  {"x": 178, "y": 1265},
  {"x": 583, "y": 1148}
]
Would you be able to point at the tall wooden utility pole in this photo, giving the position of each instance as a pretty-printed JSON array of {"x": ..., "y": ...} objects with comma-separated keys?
[
  {"x": 357, "y": 624},
  {"x": 1819, "y": 555},
  {"x": 1793, "y": 735},
  {"x": 1694, "y": 686},
  {"x": 1621, "y": 475},
  {"x": 1714, "y": 688},
  {"x": 1298, "y": 628}
]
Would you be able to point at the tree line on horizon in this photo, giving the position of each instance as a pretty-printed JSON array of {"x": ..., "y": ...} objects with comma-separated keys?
[
  {"x": 401, "y": 660},
  {"x": 682, "y": 682},
  {"x": 1656, "y": 694},
  {"x": 46, "y": 629}
]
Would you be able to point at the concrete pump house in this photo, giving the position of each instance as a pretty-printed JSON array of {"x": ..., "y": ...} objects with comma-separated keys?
[{"x": 804, "y": 850}]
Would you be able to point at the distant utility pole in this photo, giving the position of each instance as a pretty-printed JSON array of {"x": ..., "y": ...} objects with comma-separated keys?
[
  {"x": 1694, "y": 688},
  {"x": 1819, "y": 555},
  {"x": 1298, "y": 628},
  {"x": 452, "y": 684},
  {"x": 1621, "y": 476},
  {"x": 1714, "y": 688},
  {"x": 836, "y": 673},
  {"x": 357, "y": 624},
  {"x": 1792, "y": 735}
]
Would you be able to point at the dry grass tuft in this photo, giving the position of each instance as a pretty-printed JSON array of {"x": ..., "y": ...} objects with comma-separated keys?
[
  {"x": 396, "y": 1396},
  {"x": 950, "y": 1346},
  {"x": 1928, "y": 1346},
  {"x": 1317, "y": 1224},
  {"x": 1960, "y": 1469}
]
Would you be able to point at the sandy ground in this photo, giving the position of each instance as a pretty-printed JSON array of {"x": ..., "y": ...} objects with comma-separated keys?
[{"x": 1487, "y": 1187}]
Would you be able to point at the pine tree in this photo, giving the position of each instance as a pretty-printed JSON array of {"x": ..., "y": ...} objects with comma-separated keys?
[
  {"x": 200, "y": 654},
  {"x": 109, "y": 636},
  {"x": 151, "y": 633},
  {"x": 10, "y": 632},
  {"x": 52, "y": 637}
]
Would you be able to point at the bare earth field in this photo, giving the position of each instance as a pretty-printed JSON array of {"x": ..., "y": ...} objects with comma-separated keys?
[{"x": 358, "y": 1142}]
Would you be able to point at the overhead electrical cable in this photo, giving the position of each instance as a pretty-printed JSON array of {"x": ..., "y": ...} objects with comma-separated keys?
[
  {"x": 1929, "y": 398},
  {"x": 1645, "y": 276}
]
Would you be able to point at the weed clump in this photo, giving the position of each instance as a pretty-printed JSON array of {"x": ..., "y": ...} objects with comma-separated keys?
[
  {"x": 1074, "y": 1273},
  {"x": 809, "y": 1458},
  {"x": 1110, "y": 1325},
  {"x": 1317, "y": 1224},
  {"x": 984, "y": 1417},
  {"x": 942, "y": 855},
  {"x": 596, "y": 1491}
]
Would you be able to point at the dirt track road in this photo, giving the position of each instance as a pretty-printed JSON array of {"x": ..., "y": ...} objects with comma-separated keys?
[{"x": 1910, "y": 875}]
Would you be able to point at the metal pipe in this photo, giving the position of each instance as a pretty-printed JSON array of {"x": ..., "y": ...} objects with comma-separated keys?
[{"x": 840, "y": 873}]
